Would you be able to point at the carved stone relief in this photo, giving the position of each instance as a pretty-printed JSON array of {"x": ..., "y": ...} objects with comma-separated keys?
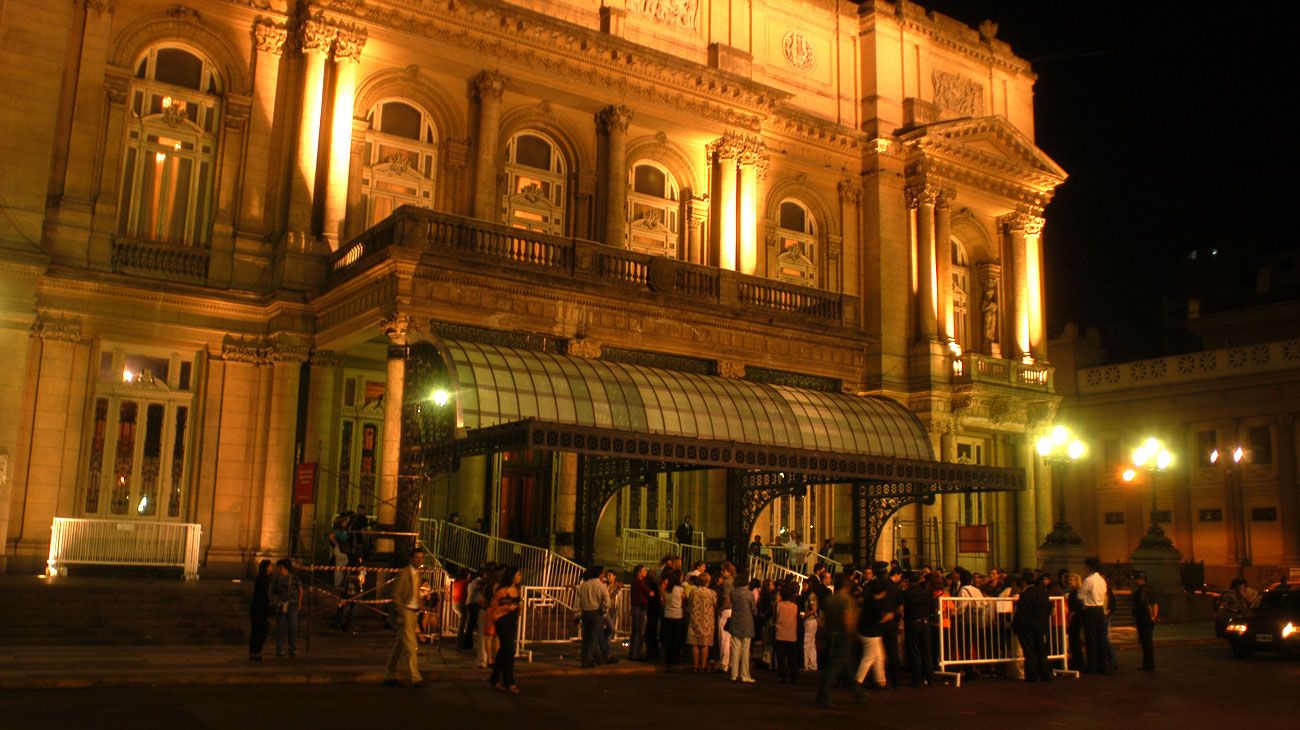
[
  {"x": 798, "y": 51},
  {"x": 675, "y": 13},
  {"x": 956, "y": 93}
]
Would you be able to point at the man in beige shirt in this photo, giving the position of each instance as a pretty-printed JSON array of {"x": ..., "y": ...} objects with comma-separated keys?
[{"x": 406, "y": 602}]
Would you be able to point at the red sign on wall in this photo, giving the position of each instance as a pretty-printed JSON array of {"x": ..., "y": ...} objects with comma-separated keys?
[
  {"x": 304, "y": 484},
  {"x": 972, "y": 539}
]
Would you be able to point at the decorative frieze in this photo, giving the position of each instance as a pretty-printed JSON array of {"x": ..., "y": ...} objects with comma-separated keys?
[
  {"x": 958, "y": 94},
  {"x": 673, "y": 13},
  {"x": 583, "y": 347}
]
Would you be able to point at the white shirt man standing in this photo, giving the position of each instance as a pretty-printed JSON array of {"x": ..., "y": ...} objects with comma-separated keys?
[{"x": 1093, "y": 595}]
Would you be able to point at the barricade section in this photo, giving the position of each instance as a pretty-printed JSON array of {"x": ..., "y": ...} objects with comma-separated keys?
[
  {"x": 976, "y": 632},
  {"x": 124, "y": 543}
]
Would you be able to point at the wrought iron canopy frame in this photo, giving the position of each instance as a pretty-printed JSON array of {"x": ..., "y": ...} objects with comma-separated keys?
[{"x": 757, "y": 474}]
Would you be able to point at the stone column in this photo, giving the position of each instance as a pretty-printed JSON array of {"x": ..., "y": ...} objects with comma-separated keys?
[
  {"x": 398, "y": 327},
  {"x": 951, "y": 502},
  {"x": 1034, "y": 282},
  {"x": 347, "y": 56},
  {"x": 752, "y": 157},
  {"x": 1288, "y": 492},
  {"x": 697, "y": 216},
  {"x": 613, "y": 120},
  {"x": 117, "y": 86},
  {"x": 490, "y": 86},
  {"x": 850, "y": 200},
  {"x": 946, "y": 327},
  {"x": 922, "y": 199},
  {"x": 286, "y": 357},
  {"x": 1013, "y": 230},
  {"x": 316, "y": 39},
  {"x": 1026, "y": 502},
  {"x": 322, "y": 420},
  {"x": 257, "y": 196},
  {"x": 74, "y": 171},
  {"x": 724, "y": 214}
]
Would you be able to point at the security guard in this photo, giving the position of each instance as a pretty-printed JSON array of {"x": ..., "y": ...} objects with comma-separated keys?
[{"x": 1145, "y": 611}]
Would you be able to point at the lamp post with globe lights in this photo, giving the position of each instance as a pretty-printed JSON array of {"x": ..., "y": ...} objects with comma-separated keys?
[
  {"x": 1151, "y": 458},
  {"x": 1060, "y": 447},
  {"x": 1231, "y": 462}
]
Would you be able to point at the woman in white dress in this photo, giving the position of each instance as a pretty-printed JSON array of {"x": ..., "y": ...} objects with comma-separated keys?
[{"x": 810, "y": 615}]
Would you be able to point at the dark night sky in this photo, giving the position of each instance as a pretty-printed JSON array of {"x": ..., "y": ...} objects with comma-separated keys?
[{"x": 1171, "y": 119}]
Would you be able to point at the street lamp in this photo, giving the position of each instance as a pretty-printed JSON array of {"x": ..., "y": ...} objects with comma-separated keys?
[
  {"x": 1060, "y": 447},
  {"x": 1151, "y": 458},
  {"x": 1231, "y": 462}
]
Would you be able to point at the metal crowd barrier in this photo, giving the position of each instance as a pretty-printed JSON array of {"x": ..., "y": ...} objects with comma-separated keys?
[
  {"x": 976, "y": 632},
  {"x": 125, "y": 543},
  {"x": 800, "y": 561},
  {"x": 549, "y": 615},
  {"x": 467, "y": 548},
  {"x": 764, "y": 569},
  {"x": 648, "y": 547}
]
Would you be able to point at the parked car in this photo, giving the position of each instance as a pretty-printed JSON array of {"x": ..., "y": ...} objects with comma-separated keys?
[{"x": 1274, "y": 625}]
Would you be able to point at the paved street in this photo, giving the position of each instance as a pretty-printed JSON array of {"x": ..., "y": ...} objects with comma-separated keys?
[{"x": 1199, "y": 685}]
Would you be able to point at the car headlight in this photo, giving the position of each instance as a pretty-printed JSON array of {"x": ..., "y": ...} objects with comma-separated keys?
[
  {"x": 1288, "y": 631},
  {"x": 1236, "y": 628}
]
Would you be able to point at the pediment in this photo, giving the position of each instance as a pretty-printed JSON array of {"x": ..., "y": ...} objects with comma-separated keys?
[{"x": 989, "y": 142}]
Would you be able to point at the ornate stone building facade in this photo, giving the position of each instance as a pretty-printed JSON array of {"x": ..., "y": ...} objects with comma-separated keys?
[{"x": 208, "y": 275}]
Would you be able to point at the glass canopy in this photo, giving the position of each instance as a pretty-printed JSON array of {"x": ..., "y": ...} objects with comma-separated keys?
[{"x": 495, "y": 385}]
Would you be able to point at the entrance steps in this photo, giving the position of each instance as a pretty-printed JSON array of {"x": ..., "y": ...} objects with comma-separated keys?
[{"x": 104, "y": 611}]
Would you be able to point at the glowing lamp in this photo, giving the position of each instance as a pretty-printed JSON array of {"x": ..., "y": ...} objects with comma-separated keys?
[
  {"x": 1044, "y": 446},
  {"x": 1129, "y": 475},
  {"x": 1060, "y": 434},
  {"x": 440, "y": 397},
  {"x": 1164, "y": 459},
  {"x": 1075, "y": 450},
  {"x": 1214, "y": 456},
  {"x": 1237, "y": 455},
  {"x": 1288, "y": 631}
]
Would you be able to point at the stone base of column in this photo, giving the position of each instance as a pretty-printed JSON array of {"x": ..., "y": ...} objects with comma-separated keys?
[
  {"x": 1053, "y": 557},
  {"x": 1163, "y": 566}
]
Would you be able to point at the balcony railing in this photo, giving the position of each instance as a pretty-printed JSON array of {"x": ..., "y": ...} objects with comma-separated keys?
[
  {"x": 579, "y": 261},
  {"x": 972, "y": 367},
  {"x": 1204, "y": 365},
  {"x": 160, "y": 260}
]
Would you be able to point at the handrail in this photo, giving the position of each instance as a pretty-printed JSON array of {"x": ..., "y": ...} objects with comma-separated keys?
[
  {"x": 471, "y": 549},
  {"x": 763, "y": 569},
  {"x": 641, "y": 547},
  {"x": 785, "y": 556}
]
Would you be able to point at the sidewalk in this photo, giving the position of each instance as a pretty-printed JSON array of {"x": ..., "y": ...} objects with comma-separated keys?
[{"x": 332, "y": 659}]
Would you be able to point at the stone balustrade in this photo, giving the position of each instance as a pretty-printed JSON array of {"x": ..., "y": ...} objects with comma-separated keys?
[{"x": 1206, "y": 365}]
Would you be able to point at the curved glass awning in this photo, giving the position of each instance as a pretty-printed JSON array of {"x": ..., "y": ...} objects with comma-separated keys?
[{"x": 494, "y": 385}]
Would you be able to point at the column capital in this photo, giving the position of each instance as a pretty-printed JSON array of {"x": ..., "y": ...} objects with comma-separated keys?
[
  {"x": 56, "y": 328},
  {"x": 315, "y": 36},
  {"x": 614, "y": 117},
  {"x": 850, "y": 191},
  {"x": 943, "y": 199},
  {"x": 490, "y": 84},
  {"x": 1021, "y": 221},
  {"x": 269, "y": 36},
  {"x": 727, "y": 147},
  {"x": 286, "y": 348},
  {"x": 326, "y": 358},
  {"x": 348, "y": 44},
  {"x": 238, "y": 348},
  {"x": 922, "y": 194},
  {"x": 399, "y": 326}
]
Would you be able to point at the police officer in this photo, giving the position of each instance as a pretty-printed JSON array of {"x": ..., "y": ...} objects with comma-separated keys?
[{"x": 1145, "y": 611}]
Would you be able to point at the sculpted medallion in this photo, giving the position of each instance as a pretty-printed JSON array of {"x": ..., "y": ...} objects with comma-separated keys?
[{"x": 798, "y": 50}]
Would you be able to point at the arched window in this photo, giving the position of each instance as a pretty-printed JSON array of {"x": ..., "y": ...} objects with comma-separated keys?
[
  {"x": 796, "y": 260},
  {"x": 653, "y": 210},
  {"x": 168, "y": 167},
  {"x": 960, "y": 296},
  {"x": 535, "y": 192},
  {"x": 400, "y": 159}
]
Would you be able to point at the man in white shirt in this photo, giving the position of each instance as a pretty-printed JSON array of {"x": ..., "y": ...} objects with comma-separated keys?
[
  {"x": 1093, "y": 595},
  {"x": 593, "y": 602},
  {"x": 406, "y": 602}
]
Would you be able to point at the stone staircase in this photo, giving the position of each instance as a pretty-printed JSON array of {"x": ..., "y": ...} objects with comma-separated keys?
[{"x": 128, "y": 610}]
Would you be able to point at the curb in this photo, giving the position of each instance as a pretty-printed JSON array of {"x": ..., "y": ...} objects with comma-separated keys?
[{"x": 224, "y": 678}]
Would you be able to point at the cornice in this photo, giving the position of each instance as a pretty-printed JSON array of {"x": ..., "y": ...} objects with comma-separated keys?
[
  {"x": 554, "y": 47},
  {"x": 809, "y": 128},
  {"x": 946, "y": 32}
]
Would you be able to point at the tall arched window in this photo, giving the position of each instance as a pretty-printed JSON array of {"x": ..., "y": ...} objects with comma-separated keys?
[
  {"x": 401, "y": 155},
  {"x": 960, "y": 296},
  {"x": 796, "y": 260},
  {"x": 653, "y": 210},
  {"x": 168, "y": 168},
  {"x": 535, "y": 193}
]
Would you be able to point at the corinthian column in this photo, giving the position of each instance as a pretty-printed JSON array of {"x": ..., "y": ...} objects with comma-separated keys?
[
  {"x": 943, "y": 265},
  {"x": 752, "y": 159},
  {"x": 490, "y": 86},
  {"x": 315, "y": 40},
  {"x": 1034, "y": 282},
  {"x": 1019, "y": 228},
  {"x": 614, "y": 120},
  {"x": 922, "y": 199},
  {"x": 725, "y": 212},
  {"x": 347, "y": 54}
]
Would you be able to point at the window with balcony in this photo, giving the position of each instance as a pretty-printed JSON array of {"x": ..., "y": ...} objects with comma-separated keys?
[
  {"x": 961, "y": 296},
  {"x": 171, "y": 137},
  {"x": 796, "y": 259},
  {"x": 139, "y": 436},
  {"x": 653, "y": 210},
  {"x": 536, "y": 184},
  {"x": 400, "y": 157}
]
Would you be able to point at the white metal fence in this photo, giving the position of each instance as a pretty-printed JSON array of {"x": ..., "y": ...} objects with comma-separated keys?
[
  {"x": 648, "y": 547},
  {"x": 465, "y": 547},
  {"x": 976, "y": 632},
  {"x": 763, "y": 569},
  {"x": 124, "y": 542},
  {"x": 800, "y": 561}
]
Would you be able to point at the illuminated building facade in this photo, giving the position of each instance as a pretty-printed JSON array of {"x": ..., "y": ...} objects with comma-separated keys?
[{"x": 206, "y": 266}]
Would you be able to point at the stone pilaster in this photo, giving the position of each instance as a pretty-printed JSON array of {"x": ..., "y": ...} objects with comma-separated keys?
[
  {"x": 489, "y": 86},
  {"x": 285, "y": 356},
  {"x": 946, "y": 326},
  {"x": 921, "y": 199},
  {"x": 315, "y": 40},
  {"x": 348, "y": 45}
]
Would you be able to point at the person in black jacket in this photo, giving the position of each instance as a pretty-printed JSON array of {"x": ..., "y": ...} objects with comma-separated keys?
[
  {"x": 1031, "y": 622},
  {"x": 1145, "y": 611},
  {"x": 259, "y": 611},
  {"x": 920, "y": 607}
]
